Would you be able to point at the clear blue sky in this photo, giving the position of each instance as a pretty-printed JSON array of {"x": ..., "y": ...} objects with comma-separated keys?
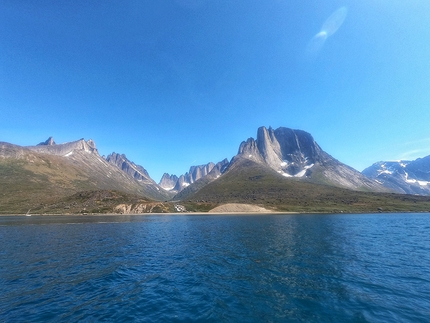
[{"x": 175, "y": 83}]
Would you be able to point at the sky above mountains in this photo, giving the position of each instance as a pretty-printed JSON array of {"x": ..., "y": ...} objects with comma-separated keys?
[{"x": 175, "y": 83}]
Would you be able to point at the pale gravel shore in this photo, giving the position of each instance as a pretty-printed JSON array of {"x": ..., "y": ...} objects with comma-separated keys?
[
  {"x": 239, "y": 208},
  {"x": 215, "y": 211}
]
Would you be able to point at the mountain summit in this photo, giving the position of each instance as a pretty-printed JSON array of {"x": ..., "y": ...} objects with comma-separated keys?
[
  {"x": 295, "y": 153},
  {"x": 291, "y": 153}
]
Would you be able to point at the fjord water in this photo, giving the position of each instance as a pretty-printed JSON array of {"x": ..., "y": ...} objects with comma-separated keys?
[{"x": 258, "y": 268}]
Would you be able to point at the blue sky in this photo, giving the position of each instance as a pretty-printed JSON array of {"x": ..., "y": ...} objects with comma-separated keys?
[{"x": 175, "y": 83}]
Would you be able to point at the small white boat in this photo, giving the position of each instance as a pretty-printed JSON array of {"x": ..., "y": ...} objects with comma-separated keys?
[{"x": 28, "y": 213}]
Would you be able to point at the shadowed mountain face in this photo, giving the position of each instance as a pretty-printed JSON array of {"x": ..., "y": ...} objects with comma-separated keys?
[
  {"x": 136, "y": 171},
  {"x": 410, "y": 177},
  {"x": 295, "y": 154},
  {"x": 139, "y": 174}
]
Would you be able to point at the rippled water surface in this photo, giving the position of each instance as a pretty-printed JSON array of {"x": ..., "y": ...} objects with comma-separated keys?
[{"x": 269, "y": 268}]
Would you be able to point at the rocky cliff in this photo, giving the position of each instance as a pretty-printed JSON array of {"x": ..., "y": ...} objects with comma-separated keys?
[
  {"x": 136, "y": 171},
  {"x": 176, "y": 184},
  {"x": 197, "y": 172},
  {"x": 294, "y": 153},
  {"x": 214, "y": 172},
  {"x": 66, "y": 149},
  {"x": 168, "y": 181}
]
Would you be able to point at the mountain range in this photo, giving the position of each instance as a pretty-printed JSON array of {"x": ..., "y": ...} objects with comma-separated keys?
[
  {"x": 404, "y": 176},
  {"x": 267, "y": 169}
]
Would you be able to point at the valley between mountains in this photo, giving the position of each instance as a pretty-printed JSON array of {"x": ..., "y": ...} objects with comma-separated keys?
[{"x": 281, "y": 170}]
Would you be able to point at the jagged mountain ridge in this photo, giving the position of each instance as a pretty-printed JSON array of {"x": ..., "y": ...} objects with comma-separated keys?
[
  {"x": 291, "y": 154},
  {"x": 404, "y": 176},
  {"x": 49, "y": 142},
  {"x": 89, "y": 166},
  {"x": 294, "y": 153},
  {"x": 215, "y": 172},
  {"x": 136, "y": 171},
  {"x": 197, "y": 172},
  {"x": 66, "y": 149},
  {"x": 168, "y": 181},
  {"x": 176, "y": 184}
]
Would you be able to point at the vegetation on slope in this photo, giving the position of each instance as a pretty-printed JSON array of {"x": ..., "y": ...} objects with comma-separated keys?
[
  {"x": 24, "y": 185},
  {"x": 103, "y": 201},
  {"x": 46, "y": 185},
  {"x": 42, "y": 181},
  {"x": 251, "y": 183}
]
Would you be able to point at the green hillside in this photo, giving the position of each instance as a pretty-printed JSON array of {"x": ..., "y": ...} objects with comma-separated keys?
[{"x": 252, "y": 183}]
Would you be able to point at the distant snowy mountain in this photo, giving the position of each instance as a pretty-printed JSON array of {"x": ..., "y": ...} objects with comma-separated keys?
[{"x": 410, "y": 177}]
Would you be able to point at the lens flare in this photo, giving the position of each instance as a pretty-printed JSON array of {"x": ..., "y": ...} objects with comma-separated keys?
[{"x": 330, "y": 26}]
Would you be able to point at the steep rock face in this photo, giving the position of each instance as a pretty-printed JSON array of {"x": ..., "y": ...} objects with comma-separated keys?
[
  {"x": 215, "y": 172},
  {"x": 294, "y": 153},
  {"x": 168, "y": 181},
  {"x": 411, "y": 177},
  {"x": 49, "y": 142},
  {"x": 194, "y": 174},
  {"x": 177, "y": 184},
  {"x": 289, "y": 152},
  {"x": 136, "y": 171},
  {"x": 197, "y": 172}
]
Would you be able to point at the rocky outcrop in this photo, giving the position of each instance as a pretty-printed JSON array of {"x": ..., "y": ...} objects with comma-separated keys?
[
  {"x": 288, "y": 151},
  {"x": 194, "y": 174},
  {"x": 168, "y": 181},
  {"x": 410, "y": 177},
  {"x": 177, "y": 184},
  {"x": 215, "y": 172},
  {"x": 66, "y": 149},
  {"x": 294, "y": 153},
  {"x": 136, "y": 171},
  {"x": 140, "y": 208},
  {"x": 49, "y": 142}
]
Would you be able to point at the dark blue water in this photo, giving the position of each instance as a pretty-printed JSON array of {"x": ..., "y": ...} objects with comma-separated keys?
[{"x": 271, "y": 268}]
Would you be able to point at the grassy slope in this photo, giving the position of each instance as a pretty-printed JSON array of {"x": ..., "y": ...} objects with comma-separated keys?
[
  {"x": 24, "y": 184},
  {"x": 49, "y": 189},
  {"x": 45, "y": 187},
  {"x": 250, "y": 183},
  {"x": 103, "y": 201}
]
